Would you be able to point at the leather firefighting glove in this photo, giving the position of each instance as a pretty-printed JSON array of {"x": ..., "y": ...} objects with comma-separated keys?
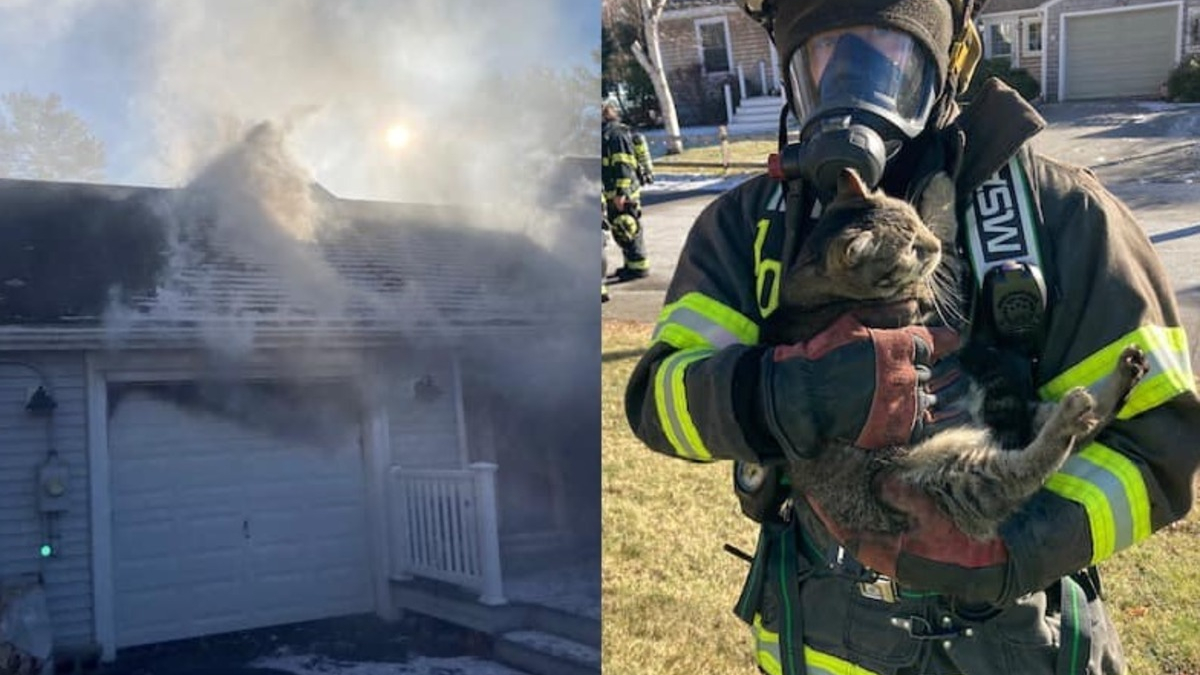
[
  {"x": 933, "y": 555},
  {"x": 850, "y": 384}
]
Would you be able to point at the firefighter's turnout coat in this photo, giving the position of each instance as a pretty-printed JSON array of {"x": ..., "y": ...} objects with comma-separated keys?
[{"x": 1108, "y": 290}]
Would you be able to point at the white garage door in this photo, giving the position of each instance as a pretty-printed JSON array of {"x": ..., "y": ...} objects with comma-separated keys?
[
  {"x": 220, "y": 527},
  {"x": 1126, "y": 53}
]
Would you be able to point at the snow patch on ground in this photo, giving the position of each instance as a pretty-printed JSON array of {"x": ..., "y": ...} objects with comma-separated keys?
[
  {"x": 312, "y": 664},
  {"x": 554, "y": 645},
  {"x": 685, "y": 182},
  {"x": 573, "y": 589}
]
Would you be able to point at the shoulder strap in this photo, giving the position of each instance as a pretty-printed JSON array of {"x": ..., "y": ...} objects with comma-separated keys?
[
  {"x": 1002, "y": 221},
  {"x": 1001, "y": 227}
]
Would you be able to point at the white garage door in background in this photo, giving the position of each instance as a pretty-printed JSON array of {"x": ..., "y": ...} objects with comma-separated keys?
[
  {"x": 220, "y": 527},
  {"x": 1125, "y": 53}
]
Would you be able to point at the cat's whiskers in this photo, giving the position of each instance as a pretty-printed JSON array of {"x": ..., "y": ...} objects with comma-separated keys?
[{"x": 947, "y": 298}]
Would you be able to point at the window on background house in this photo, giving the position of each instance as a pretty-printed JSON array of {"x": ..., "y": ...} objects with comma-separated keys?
[
  {"x": 1032, "y": 38},
  {"x": 999, "y": 41},
  {"x": 714, "y": 46}
]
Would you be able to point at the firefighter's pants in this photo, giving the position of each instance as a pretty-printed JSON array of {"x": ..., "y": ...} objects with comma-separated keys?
[
  {"x": 810, "y": 618},
  {"x": 627, "y": 231}
]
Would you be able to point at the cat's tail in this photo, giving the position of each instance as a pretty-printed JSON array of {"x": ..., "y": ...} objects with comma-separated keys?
[{"x": 974, "y": 480}]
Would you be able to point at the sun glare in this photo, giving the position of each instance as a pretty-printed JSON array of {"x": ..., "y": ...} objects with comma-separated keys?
[{"x": 397, "y": 136}]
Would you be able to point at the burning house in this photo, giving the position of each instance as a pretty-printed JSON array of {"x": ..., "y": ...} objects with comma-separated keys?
[{"x": 247, "y": 402}]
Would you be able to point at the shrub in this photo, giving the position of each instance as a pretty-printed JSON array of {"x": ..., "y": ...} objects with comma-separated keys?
[
  {"x": 1017, "y": 78},
  {"x": 1183, "y": 84},
  {"x": 700, "y": 98}
]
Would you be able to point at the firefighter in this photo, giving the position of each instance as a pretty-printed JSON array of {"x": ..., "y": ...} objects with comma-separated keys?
[
  {"x": 625, "y": 167},
  {"x": 1070, "y": 281}
]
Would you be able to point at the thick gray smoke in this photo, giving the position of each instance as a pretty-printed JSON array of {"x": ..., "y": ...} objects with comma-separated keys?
[{"x": 244, "y": 105}]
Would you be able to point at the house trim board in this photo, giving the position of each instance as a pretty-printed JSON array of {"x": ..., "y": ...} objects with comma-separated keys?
[
  {"x": 460, "y": 411},
  {"x": 377, "y": 460},
  {"x": 100, "y": 506},
  {"x": 1062, "y": 32},
  {"x": 698, "y": 12}
]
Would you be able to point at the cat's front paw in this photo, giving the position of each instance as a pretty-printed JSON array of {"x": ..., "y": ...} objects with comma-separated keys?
[
  {"x": 1132, "y": 366},
  {"x": 1078, "y": 410}
]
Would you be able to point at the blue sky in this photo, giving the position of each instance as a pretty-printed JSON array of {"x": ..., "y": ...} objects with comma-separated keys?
[{"x": 156, "y": 79}]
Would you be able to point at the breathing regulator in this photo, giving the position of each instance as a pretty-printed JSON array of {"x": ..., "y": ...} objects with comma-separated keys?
[{"x": 859, "y": 93}]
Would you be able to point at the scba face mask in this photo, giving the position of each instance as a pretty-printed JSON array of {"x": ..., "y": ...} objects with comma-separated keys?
[{"x": 859, "y": 93}]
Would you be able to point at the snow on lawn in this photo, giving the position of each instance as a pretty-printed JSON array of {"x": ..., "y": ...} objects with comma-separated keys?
[{"x": 320, "y": 665}]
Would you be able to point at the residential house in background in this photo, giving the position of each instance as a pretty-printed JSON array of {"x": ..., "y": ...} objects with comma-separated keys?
[
  {"x": 709, "y": 45},
  {"x": 1076, "y": 49},
  {"x": 207, "y": 428},
  {"x": 1091, "y": 49}
]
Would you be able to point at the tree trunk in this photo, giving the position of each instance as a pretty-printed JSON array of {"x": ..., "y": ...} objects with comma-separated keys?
[{"x": 650, "y": 59}]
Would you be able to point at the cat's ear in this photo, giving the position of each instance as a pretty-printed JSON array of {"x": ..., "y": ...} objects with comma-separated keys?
[
  {"x": 850, "y": 184},
  {"x": 860, "y": 248},
  {"x": 937, "y": 208}
]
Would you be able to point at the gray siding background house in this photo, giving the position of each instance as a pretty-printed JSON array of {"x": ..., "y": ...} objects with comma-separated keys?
[
  {"x": 1093, "y": 49},
  {"x": 1076, "y": 49}
]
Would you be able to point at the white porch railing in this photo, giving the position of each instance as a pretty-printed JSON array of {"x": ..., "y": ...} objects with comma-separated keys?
[{"x": 443, "y": 525}]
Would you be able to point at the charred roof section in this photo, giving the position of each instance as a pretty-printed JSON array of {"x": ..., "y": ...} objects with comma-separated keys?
[
  {"x": 70, "y": 252},
  {"x": 66, "y": 248}
]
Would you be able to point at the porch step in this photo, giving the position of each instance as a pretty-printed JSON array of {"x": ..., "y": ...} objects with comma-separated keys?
[
  {"x": 540, "y": 653},
  {"x": 445, "y": 602},
  {"x": 581, "y": 629},
  {"x": 759, "y": 112}
]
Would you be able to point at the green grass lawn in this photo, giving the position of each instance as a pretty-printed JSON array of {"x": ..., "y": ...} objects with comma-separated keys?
[
  {"x": 669, "y": 588},
  {"x": 748, "y": 151}
]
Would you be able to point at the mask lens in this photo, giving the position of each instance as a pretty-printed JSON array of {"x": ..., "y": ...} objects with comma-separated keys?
[{"x": 882, "y": 71}]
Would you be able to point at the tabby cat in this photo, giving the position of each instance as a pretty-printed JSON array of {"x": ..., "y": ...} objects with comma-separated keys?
[{"x": 877, "y": 257}]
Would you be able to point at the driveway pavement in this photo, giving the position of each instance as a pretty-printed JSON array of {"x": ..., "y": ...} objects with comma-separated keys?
[{"x": 1147, "y": 153}]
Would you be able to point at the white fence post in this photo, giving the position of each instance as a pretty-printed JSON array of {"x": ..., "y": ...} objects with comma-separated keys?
[
  {"x": 489, "y": 533},
  {"x": 728, "y": 104},
  {"x": 741, "y": 82}
]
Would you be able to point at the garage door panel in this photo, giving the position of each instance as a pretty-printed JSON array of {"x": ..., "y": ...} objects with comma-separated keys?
[
  {"x": 220, "y": 527},
  {"x": 1126, "y": 53}
]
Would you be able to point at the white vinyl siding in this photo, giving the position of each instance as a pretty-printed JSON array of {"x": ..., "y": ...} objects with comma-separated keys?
[
  {"x": 424, "y": 433},
  {"x": 1124, "y": 53},
  {"x": 68, "y": 575}
]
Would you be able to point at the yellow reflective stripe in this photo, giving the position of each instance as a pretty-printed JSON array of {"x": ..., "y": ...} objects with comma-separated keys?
[
  {"x": 696, "y": 320},
  {"x": 820, "y": 663},
  {"x": 766, "y": 648},
  {"x": 629, "y": 195},
  {"x": 768, "y": 657},
  {"x": 670, "y": 398},
  {"x": 1170, "y": 371},
  {"x": 1112, "y": 491},
  {"x": 622, "y": 158}
]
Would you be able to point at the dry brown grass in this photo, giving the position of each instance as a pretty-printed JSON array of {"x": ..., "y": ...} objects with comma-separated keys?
[{"x": 669, "y": 588}]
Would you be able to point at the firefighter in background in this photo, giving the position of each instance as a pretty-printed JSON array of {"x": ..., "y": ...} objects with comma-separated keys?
[
  {"x": 872, "y": 85},
  {"x": 625, "y": 167}
]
